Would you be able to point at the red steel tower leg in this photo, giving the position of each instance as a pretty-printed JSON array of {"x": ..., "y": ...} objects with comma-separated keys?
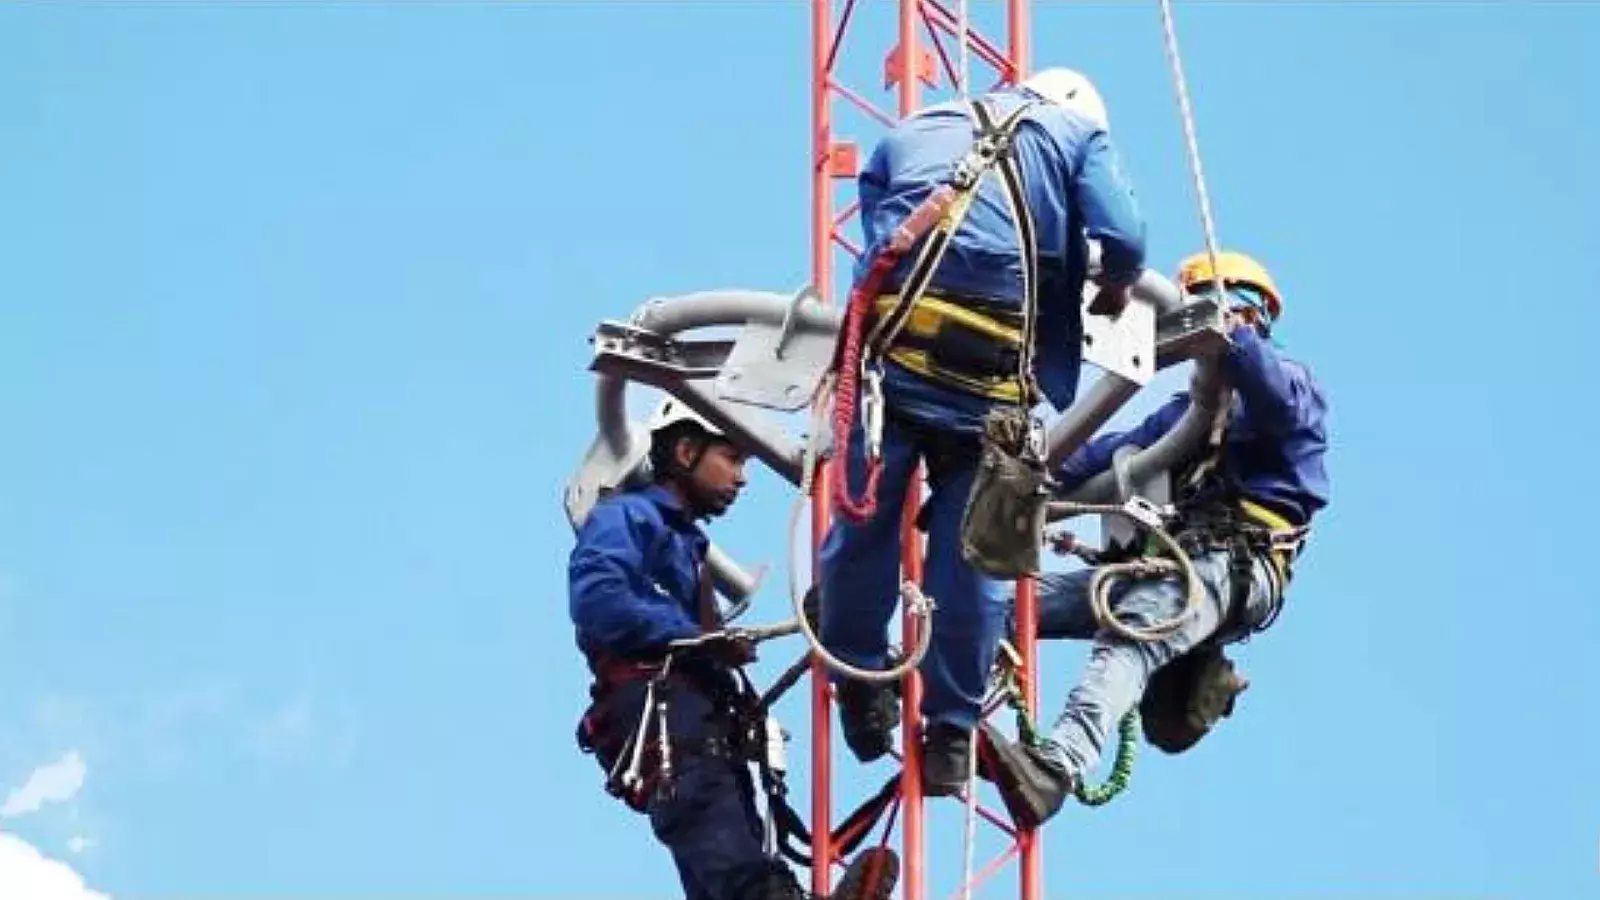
[
  {"x": 822, "y": 174},
  {"x": 909, "y": 65}
]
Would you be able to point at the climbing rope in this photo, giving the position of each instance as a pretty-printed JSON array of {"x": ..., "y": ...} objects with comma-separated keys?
[
  {"x": 1174, "y": 562},
  {"x": 1191, "y": 141},
  {"x": 969, "y": 839},
  {"x": 914, "y": 602},
  {"x": 962, "y": 28},
  {"x": 1191, "y": 145}
]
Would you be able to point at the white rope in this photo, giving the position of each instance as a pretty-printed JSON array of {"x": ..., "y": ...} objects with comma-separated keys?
[
  {"x": 1208, "y": 225},
  {"x": 1191, "y": 142},
  {"x": 969, "y": 843},
  {"x": 962, "y": 28},
  {"x": 913, "y": 602}
]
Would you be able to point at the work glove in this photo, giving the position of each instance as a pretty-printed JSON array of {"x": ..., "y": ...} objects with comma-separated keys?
[{"x": 1109, "y": 301}]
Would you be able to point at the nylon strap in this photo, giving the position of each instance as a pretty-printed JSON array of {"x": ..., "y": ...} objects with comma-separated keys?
[
  {"x": 845, "y": 838},
  {"x": 993, "y": 146},
  {"x": 1022, "y": 218},
  {"x": 706, "y": 605}
]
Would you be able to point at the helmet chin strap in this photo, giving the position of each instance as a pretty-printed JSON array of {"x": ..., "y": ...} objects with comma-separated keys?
[{"x": 684, "y": 474}]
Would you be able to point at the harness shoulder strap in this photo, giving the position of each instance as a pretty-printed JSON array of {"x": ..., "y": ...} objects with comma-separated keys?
[
  {"x": 992, "y": 146},
  {"x": 1022, "y": 219}
]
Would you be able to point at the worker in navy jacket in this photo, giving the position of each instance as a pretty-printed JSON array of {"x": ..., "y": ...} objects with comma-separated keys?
[
  {"x": 638, "y": 581},
  {"x": 1269, "y": 479},
  {"x": 955, "y": 360}
]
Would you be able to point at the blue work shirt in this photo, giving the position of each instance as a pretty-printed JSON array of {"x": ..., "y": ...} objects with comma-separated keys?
[
  {"x": 1276, "y": 438},
  {"x": 1075, "y": 187},
  {"x": 634, "y": 576}
]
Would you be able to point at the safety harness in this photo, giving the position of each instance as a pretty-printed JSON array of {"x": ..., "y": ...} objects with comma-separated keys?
[
  {"x": 1214, "y": 513},
  {"x": 639, "y": 763},
  {"x": 947, "y": 340},
  {"x": 1186, "y": 698}
]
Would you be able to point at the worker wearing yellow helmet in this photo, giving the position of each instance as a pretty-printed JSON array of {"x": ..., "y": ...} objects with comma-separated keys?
[
  {"x": 1252, "y": 293},
  {"x": 1243, "y": 512}
]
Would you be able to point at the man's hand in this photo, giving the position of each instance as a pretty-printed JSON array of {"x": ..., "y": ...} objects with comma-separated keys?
[
  {"x": 1234, "y": 319},
  {"x": 729, "y": 648},
  {"x": 1110, "y": 301}
]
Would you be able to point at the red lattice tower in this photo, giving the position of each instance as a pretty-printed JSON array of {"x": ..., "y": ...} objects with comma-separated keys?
[{"x": 924, "y": 44}]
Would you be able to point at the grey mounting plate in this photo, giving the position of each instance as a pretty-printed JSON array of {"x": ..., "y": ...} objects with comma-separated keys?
[
  {"x": 1192, "y": 331},
  {"x": 680, "y": 368},
  {"x": 605, "y": 469},
  {"x": 1125, "y": 345},
  {"x": 777, "y": 367},
  {"x": 624, "y": 345}
]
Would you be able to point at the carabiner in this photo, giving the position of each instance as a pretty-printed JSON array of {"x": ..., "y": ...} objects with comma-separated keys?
[{"x": 872, "y": 413}]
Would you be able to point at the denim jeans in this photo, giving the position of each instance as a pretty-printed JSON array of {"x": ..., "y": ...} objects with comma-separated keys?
[{"x": 1118, "y": 669}]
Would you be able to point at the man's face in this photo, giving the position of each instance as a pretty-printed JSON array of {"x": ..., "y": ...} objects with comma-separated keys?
[{"x": 717, "y": 477}]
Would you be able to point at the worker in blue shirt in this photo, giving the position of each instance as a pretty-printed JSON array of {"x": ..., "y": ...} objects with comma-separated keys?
[
  {"x": 638, "y": 581},
  {"x": 955, "y": 359},
  {"x": 1243, "y": 512}
]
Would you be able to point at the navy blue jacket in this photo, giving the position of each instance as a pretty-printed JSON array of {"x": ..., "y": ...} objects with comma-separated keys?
[
  {"x": 634, "y": 576},
  {"x": 1276, "y": 437}
]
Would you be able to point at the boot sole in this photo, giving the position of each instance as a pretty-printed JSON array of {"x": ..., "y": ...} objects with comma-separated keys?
[{"x": 998, "y": 762}]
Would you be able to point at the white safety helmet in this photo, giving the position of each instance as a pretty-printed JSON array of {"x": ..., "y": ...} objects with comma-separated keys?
[
  {"x": 1069, "y": 89},
  {"x": 672, "y": 411}
]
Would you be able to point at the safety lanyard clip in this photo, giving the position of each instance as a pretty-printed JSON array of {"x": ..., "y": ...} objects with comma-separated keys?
[
  {"x": 1147, "y": 513},
  {"x": 872, "y": 412}
]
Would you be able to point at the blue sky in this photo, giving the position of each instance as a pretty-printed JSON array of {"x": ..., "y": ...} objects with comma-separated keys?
[{"x": 293, "y": 308}]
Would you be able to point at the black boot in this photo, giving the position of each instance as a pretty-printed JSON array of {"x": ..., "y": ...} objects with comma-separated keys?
[
  {"x": 872, "y": 875},
  {"x": 1032, "y": 785},
  {"x": 780, "y": 884},
  {"x": 944, "y": 759},
  {"x": 868, "y": 713}
]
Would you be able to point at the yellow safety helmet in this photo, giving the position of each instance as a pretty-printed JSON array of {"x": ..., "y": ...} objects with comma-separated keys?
[{"x": 1236, "y": 268}]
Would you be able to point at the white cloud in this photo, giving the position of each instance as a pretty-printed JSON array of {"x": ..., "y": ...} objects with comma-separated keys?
[
  {"x": 79, "y": 843},
  {"x": 27, "y": 874},
  {"x": 53, "y": 783}
]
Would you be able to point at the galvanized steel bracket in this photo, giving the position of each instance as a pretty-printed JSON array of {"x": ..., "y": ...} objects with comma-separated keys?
[
  {"x": 606, "y": 468},
  {"x": 1189, "y": 332},
  {"x": 779, "y": 367},
  {"x": 1124, "y": 345}
]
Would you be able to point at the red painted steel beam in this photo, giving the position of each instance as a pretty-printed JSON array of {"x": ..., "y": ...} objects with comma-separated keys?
[{"x": 823, "y": 54}]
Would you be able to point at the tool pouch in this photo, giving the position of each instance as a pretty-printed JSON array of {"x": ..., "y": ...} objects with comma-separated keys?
[
  {"x": 1187, "y": 697},
  {"x": 1002, "y": 528}
]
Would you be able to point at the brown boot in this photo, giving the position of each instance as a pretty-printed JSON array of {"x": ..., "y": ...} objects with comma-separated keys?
[{"x": 872, "y": 875}]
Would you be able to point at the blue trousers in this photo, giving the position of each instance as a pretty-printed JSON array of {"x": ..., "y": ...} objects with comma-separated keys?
[
  {"x": 860, "y": 571},
  {"x": 1118, "y": 670},
  {"x": 710, "y": 823}
]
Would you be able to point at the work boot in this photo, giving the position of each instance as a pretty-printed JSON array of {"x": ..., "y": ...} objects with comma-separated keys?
[
  {"x": 780, "y": 884},
  {"x": 944, "y": 759},
  {"x": 1032, "y": 784},
  {"x": 868, "y": 713},
  {"x": 872, "y": 875}
]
